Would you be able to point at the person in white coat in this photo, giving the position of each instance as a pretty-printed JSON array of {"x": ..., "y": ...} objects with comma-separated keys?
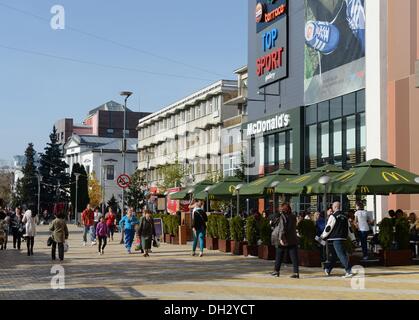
[{"x": 30, "y": 220}]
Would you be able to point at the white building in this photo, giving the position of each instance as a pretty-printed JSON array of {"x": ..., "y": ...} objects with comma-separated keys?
[
  {"x": 189, "y": 130},
  {"x": 103, "y": 157}
]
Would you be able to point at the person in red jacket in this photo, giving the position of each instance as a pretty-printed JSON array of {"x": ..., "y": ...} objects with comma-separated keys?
[
  {"x": 110, "y": 219},
  {"x": 88, "y": 220}
]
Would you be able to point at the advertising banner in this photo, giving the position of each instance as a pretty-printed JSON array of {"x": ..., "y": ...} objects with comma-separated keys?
[{"x": 334, "y": 50}]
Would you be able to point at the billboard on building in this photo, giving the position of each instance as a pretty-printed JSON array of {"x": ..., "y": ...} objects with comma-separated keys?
[{"x": 335, "y": 48}]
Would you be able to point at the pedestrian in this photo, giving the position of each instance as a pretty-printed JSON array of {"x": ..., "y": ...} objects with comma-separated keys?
[
  {"x": 200, "y": 219},
  {"x": 363, "y": 222},
  {"x": 400, "y": 214},
  {"x": 4, "y": 229},
  {"x": 284, "y": 238},
  {"x": 88, "y": 220},
  {"x": 110, "y": 220},
  {"x": 102, "y": 234},
  {"x": 320, "y": 222},
  {"x": 16, "y": 227},
  {"x": 59, "y": 236},
  {"x": 128, "y": 222},
  {"x": 30, "y": 220},
  {"x": 122, "y": 230},
  {"x": 45, "y": 216},
  {"x": 337, "y": 231},
  {"x": 96, "y": 218},
  {"x": 146, "y": 232}
]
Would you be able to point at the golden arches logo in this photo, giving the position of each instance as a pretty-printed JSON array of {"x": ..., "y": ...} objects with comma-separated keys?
[
  {"x": 300, "y": 179},
  {"x": 270, "y": 190},
  {"x": 211, "y": 197},
  {"x": 394, "y": 175},
  {"x": 345, "y": 177},
  {"x": 365, "y": 190},
  {"x": 260, "y": 181},
  {"x": 232, "y": 189}
]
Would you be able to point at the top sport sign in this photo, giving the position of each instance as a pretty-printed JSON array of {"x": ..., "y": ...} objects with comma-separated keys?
[{"x": 269, "y": 11}]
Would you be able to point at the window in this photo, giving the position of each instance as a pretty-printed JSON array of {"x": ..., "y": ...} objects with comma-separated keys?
[
  {"x": 337, "y": 142},
  {"x": 323, "y": 111},
  {"x": 311, "y": 114},
  {"x": 271, "y": 150},
  {"x": 110, "y": 173},
  {"x": 336, "y": 108},
  {"x": 363, "y": 138},
  {"x": 360, "y": 101},
  {"x": 282, "y": 150},
  {"x": 88, "y": 170},
  {"x": 349, "y": 104},
  {"x": 312, "y": 146},
  {"x": 325, "y": 142}
]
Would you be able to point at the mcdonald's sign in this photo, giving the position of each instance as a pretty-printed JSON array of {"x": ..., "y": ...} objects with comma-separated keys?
[
  {"x": 346, "y": 176},
  {"x": 232, "y": 189},
  {"x": 395, "y": 176},
  {"x": 365, "y": 190},
  {"x": 300, "y": 179},
  {"x": 270, "y": 190}
]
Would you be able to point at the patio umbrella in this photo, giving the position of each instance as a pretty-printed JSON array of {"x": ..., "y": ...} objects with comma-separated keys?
[
  {"x": 188, "y": 191},
  {"x": 298, "y": 185},
  {"x": 262, "y": 186},
  {"x": 221, "y": 191}
]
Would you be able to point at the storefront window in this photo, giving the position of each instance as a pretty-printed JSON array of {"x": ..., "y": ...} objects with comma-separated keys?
[
  {"x": 291, "y": 150},
  {"x": 336, "y": 108},
  {"x": 312, "y": 146},
  {"x": 351, "y": 140},
  {"x": 349, "y": 104},
  {"x": 337, "y": 142},
  {"x": 311, "y": 114},
  {"x": 363, "y": 138},
  {"x": 325, "y": 143},
  {"x": 360, "y": 101},
  {"x": 271, "y": 150},
  {"x": 282, "y": 150},
  {"x": 323, "y": 111}
]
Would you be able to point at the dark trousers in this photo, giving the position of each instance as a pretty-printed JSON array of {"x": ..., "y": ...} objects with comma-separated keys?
[
  {"x": 338, "y": 252},
  {"x": 60, "y": 250},
  {"x": 111, "y": 231},
  {"x": 102, "y": 243},
  {"x": 17, "y": 238},
  {"x": 363, "y": 236},
  {"x": 280, "y": 252},
  {"x": 30, "y": 241}
]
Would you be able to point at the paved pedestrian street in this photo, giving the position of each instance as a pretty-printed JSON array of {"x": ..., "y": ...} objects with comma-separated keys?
[{"x": 171, "y": 273}]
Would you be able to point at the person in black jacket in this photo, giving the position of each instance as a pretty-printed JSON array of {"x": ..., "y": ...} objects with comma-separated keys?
[
  {"x": 16, "y": 227},
  {"x": 146, "y": 232},
  {"x": 337, "y": 231},
  {"x": 199, "y": 227}
]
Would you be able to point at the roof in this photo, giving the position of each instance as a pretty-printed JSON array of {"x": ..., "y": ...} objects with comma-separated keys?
[
  {"x": 96, "y": 143},
  {"x": 109, "y": 106}
]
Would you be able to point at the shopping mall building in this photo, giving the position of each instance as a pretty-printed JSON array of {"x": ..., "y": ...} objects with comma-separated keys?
[{"x": 333, "y": 82}]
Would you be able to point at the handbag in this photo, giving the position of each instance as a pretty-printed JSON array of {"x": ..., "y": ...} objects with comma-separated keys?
[
  {"x": 138, "y": 245},
  {"x": 156, "y": 243},
  {"x": 66, "y": 246},
  {"x": 50, "y": 241}
]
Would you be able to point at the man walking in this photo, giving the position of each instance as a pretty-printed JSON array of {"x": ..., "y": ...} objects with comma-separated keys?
[
  {"x": 199, "y": 227},
  {"x": 88, "y": 220},
  {"x": 337, "y": 231}
]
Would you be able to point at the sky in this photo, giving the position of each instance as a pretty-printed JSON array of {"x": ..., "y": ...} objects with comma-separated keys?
[{"x": 161, "y": 50}]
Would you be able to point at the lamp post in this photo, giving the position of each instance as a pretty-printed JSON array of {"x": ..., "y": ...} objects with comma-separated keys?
[
  {"x": 238, "y": 187},
  {"x": 325, "y": 181},
  {"x": 77, "y": 175},
  {"x": 207, "y": 189},
  {"x": 39, "y": 194},
  {"x": 125, "y": 94}
]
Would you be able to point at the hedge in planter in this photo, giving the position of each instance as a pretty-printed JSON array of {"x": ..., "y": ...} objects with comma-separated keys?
[
  {"x": 174, "y": 223},
  {"x": 212, "y": 232},
  {"x": 252, "y": 237},
  {"x": 223, "y": 228},
  {"x": 266, "y": 251},
  {"x": 394, "y": 239},
  {"x": 237, "y": 235},
  {"x": 309, "y": 254}
]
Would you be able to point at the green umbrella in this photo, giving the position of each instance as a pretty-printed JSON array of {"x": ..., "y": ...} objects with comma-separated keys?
[
  {"x": 221, "y": 191},
  {"x": 188, "y": 191},
  {"x": 264, "y": 185},
  {"x": 298, "y": 185}
]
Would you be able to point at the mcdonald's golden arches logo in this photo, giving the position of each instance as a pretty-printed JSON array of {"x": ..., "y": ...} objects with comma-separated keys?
[
  {"x": 300, "y": 179},
  {"x": 395, "y": 176},
  {"x": 232, "y": 189},
  {"x": 346, "y": 176},
  {"x": 270, "y": 190},
  {"x": 365, "y": 190}
]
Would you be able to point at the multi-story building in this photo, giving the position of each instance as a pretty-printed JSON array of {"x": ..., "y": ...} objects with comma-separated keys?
[
  {"x": 188, "y": 131},
  {"x": 102, "y": 156}
]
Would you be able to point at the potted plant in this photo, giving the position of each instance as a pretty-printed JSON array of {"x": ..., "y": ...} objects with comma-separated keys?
[
  {"x": 224, "y": 243},
  {"x": 212, "y": 232},
  {"x": 237, "y": 235},
  {"x": 394, "y": 239},
  {"x": 174, "y": 224},
  {"x": 252, "y": 236},
  {"x": 308, "y": 253},
  {"x": 167, "y": 228},
  {"x": 266, "y": 250}
]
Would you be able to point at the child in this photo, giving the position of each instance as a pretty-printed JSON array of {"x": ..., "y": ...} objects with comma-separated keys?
[{"x": 102, "y": 235}]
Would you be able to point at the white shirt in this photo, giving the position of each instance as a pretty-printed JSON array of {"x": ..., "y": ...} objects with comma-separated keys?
[
  {"x": 363, "y": 218},
  {"x": 30, "y": 224}
]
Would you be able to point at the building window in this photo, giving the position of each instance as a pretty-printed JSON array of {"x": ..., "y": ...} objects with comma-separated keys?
[
  {"x": 349, "y": 104},
  {"x": 337, "y": 142},
  {"x": 325, "y": 143},
  {"x": 351, "y": 140},
  {"x": 363, "y": 139},
  {"x": 110, "y": 173}
]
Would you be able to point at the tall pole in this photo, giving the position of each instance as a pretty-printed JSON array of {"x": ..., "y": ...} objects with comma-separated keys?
[
  {"x": 39, "y": 194},
  {"x": 126, "y": 94},
  {"x": 77, "y": 190},
  {"x": 326, "y": 218}
]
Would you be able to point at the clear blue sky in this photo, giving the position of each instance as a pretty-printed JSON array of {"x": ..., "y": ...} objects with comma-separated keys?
[{"x": 37, "y": 90}]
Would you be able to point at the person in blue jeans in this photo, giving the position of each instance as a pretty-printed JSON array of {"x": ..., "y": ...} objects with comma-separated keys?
[
  {"x": 199, "y": 227},
  {"x": 364, "y": 223},
  {"x": 338, "y": 230},
  {"x": 128, "y": 223}
]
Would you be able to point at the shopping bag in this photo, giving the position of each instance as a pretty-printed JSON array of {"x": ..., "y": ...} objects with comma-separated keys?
[
  {"x": 138, "y": 245},
  {"x": 66, "y": 246}
]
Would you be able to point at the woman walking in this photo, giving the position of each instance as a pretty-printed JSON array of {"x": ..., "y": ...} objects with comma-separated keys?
[
  {"x": 128, "y": 223},
  {"x": 30, "y": 219},
  {"x": 284, "y": 237},
  {"x": 16, "y": 227},
  {"x": 102, "y": 235},
  {"x": 199, "y": 228},
  {"x": 110, "y": 219},
  {"x": 59, "y": 236},
  {"x": 146, "y": 232}
]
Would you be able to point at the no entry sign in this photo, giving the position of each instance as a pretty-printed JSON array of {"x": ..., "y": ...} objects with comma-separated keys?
[{"x": 123, "y": 181}]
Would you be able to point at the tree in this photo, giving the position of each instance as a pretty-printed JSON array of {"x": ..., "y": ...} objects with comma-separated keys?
[
  {"x": 135, "y": 194},
  {"x": 6, "y": 179},
  {"x": 55, "y": 179},
  {"x": 215, "y": 176},
  {"x": 95, "y": 191},
  {"x": 112, "y": 203},
  {"x": 82, "y": 189},
  {"x": 240, "y": 171},
  {"x": 172, "y": 175},
  {"x": 28, "y": 189}
]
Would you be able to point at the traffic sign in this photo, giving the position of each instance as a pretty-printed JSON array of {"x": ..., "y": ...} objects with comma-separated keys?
[{"x": 123, "y": 181}]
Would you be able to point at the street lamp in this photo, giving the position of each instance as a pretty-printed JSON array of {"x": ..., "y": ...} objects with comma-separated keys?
[
  {"x": 417, "y": 180},
  {"x": 207, "y": 189},
  {"x": 39, "y": 194},
  {"x": 125, "y": 94},
  {"x": 77, "y": 175},
  {"x": 238, "y": 187},
  {"x": 325, "y": 181}
]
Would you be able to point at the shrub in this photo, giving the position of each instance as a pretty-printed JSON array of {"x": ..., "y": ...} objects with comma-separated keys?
[
  {"x": 167, "y": 224},
  {"x": 252, "y": 231},
  {"x": 212, "y": 228},
  {"x": 307, "y": 231},
  {"x": 175, "y": 223},
  {"x": 223, "y": 228},
  {"x": 265, "y": 232},
  {"x": 236, "y": 228},
  {"x": 385, "y": 235},
  {"x": 402, "y": 236}
]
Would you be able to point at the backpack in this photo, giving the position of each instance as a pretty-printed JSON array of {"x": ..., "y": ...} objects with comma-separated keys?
[{"x": 275, "y": 238}]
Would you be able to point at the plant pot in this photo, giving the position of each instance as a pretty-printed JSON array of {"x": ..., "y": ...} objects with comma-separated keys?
[
  {"x": 392, "y": 258},
  {"x": 224, "y": 245},
  {"x": 174, "y": 239},
  {"x": 237, "y": 247},
  {"x": 167, "y": 238},
  {"x": 266, "y": 252},
  {"x": 211, "y": 243},
  {"x": 250, "y": 250},
  {"x": 309, "y": 258}
]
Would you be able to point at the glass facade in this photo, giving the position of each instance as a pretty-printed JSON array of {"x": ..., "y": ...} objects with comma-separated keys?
[{"x": 278, "y": 151}]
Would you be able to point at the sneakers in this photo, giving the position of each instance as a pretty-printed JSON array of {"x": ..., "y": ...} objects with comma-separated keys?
[
  {"x": 201, "y": 254},
  {"x": 84, "y": 243},
  {"x": 348, "y": 275},
  {"x": 193, "y": 254},
  {"x": 355, "y": 15},
  {"x": 93, "y": 243},
  {"x": 295, "y": 276},
  {"x": 327, "y": 272},
  {"x": 275, "y": 274},
  {"x": 322, "y": 36}
]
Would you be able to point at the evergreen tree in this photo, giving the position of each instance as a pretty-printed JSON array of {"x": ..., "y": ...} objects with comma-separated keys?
[
  {"x": 240, "y": 172},
  {"x": 135, "y": 194},
  {"x": 28, "y": 189},
  {"x": 54, "y": 176},
  {"x": 82, "y": 188},
  {"x": 112, "y": 203}
]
